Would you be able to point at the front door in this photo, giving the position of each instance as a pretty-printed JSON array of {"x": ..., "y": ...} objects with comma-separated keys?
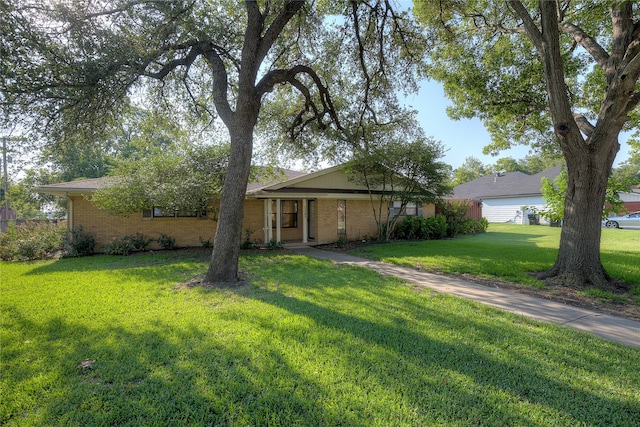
[{"x": 311, "y": 219}]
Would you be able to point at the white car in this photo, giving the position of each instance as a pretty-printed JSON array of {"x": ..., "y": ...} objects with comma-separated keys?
[{"x": 631, "y": 220}]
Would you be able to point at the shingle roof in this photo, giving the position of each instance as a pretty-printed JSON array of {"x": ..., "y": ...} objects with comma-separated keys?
[
  {"x": 284, "y": 176},
  {"x": 91, "y": 185},
  {"x": 79, "y": 185},
  {"x": 510, "y": 184}
]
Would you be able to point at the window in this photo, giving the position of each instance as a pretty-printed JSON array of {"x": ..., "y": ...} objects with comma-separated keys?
[
  {"x": 411, "y": 209},
  {"x": 342, "y": 216},
  {"x": 165, "y": 213},
  {"x": 288, "y": 214}
]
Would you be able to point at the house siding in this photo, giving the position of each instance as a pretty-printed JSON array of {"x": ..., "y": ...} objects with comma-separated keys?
[{"x": 509, "y": 210}]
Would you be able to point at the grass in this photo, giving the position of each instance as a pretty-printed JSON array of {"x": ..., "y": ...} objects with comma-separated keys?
[
  {"x": 306, "y": 343},
  {"x": 511, "y": 252}
]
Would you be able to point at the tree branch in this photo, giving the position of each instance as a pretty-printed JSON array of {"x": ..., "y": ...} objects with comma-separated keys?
[
  {"x": 587, "y": 42},
  {"x": 530, "y": 27},
  {"x": 220, "y": 85},
  {"x": 632, "y": 68},
  {"x": 634, "y": 100},
  {"x": 194, "y": 52},
  {"x": 289, "y": 10},
  {"x": 274, "y": 77},
  {"x": 584, "y": 125},
  {"x": 622, "y": 22}
]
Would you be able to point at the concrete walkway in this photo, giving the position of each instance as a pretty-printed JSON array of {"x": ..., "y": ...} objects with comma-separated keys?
[{"x": 614, "y": 328}]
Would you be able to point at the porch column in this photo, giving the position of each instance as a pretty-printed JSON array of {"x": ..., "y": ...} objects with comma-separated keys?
[
  {"x": 305, "y": 221},
  {"x": 278, "y": 221},
  {"x": 70, "y": 224},
  {"x": 268, "y": 223}
]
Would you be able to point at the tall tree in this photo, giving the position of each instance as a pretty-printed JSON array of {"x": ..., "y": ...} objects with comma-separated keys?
[
  {"x": 75, "y": 63},
  {"x": 471, "y": 169},
  {"x": 573, "y": 65}
]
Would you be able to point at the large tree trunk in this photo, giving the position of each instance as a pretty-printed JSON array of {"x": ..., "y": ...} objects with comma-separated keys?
[
  {"x": 589, "y": 159},
  {"x": 578, "y": 262},
  {"x": 226, "y": 244}
]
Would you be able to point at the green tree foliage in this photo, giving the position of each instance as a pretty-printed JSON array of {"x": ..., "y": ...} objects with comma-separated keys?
[
  {"x": 554, "y": 190},
  {"x": 532, "y": 164},
  {"x": 400, "y": 172},
  {"x": 29, "y": 204},
  {"x": 181, "y": 178},
  {"x": 628, "y": 172},
  {"x": 519, "y": 69},
  {"x": 471, "y": 169},
  {"x": 506, "y": 164},
  {"x": 137, "y": 133},
  {"x": 536, "y": 163}
]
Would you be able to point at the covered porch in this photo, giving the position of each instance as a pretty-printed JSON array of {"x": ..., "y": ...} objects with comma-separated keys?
[{"x": 290, "y": 220}]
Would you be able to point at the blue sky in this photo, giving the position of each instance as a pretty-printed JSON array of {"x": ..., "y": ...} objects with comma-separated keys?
[{"x": 465, "y": 138}]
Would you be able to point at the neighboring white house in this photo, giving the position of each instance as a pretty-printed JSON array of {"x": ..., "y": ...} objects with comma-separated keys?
[
  {"x": 631, "y": 200},
  {"x": 505, "y": 196}
]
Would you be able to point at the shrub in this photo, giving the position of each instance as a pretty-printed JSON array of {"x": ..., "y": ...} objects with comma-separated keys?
[
  {"x": 409, "y": 228},
  {"x": 247, "y": 243},
  {"x": 342, "y": 239},
  {"x": 166, "y": 242},
  {"x": 205, "y": 243},
  {"x": 119, "y": 247},
  {"x": 474, "y": 226},
  {"x": 455, "y": 212},
  {"x": 139, "y": 241},
  {"x": 417, "y": 227},
  {"x": 437, "y": 227},
  {"x": 124, "y": 246},
  {"x": 77, "y": 243},
  {"x": 30, "y": 241},
  {"x": 273, "y": 244}
]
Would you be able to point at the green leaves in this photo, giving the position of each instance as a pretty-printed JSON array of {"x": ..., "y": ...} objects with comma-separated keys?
[
  {"x": 176, "y": 179},
  {"x": 553, "y": 192},
  {"x": 400, "y": 171}
]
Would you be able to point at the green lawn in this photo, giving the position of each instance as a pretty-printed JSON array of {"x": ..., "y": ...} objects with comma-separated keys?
[
  {"x": 510, "y": 252},
  {"x": 306, "y": 343}
]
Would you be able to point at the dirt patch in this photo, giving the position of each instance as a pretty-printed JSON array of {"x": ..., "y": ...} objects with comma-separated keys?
[
  {"x": 570, "y": 296},
  {"x": 201, "y": 283}
]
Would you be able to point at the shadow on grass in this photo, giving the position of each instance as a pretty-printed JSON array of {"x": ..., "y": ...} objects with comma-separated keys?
[
  {"x": 153, "y": 377},
  {"x": 501, "y": 365},
  {"x": 136, "y": 260},
  {"x": 315, "y": 344}
]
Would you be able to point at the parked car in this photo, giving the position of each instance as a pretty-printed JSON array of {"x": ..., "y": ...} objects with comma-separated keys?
[{"x": 631, "y": 220}]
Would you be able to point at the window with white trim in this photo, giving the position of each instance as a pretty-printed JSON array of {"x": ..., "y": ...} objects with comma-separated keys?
[
  {"x": 411, "y": 209},
  {"x": 342, "y": 216}
]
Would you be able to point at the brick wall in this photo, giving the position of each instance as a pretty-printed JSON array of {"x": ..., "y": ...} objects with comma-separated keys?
[
  {"x": 360, "y": 223},
  {"x": 106, "y": 226}
]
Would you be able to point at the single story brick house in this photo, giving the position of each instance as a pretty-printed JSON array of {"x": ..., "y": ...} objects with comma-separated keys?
[{"x": 313, "y": 208}]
